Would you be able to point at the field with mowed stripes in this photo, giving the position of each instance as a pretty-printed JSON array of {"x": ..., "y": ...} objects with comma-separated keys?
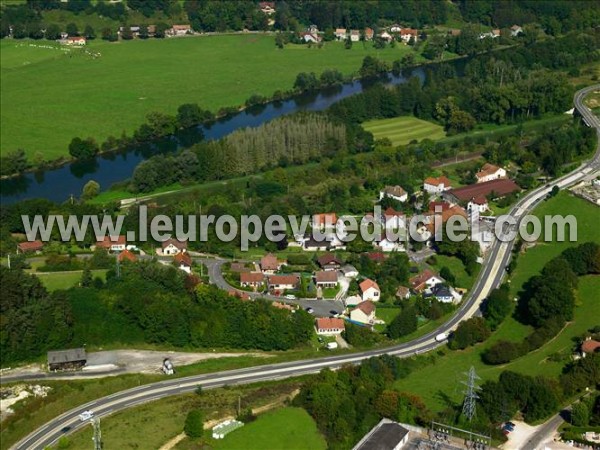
[{"x": 402, "y": 130}]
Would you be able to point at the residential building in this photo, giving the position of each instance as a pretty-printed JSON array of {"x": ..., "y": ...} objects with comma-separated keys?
[
  {"x": 386, "y": 36},
  {"x": 395, "y": 28},
  {"x": 403, "y": 293},
  {"x": 424, "y": 280},
  {"x": 313, "y": 29},
  {"x": 369, "y": 290},
  {"x": 436, "y": 185},
  {"x": 406, "y": 34},
  {"x": 386, "y": 435},
  {"x": 33, "y": 246},
  {"x": 313, "y": 245},
  {"x": 340, "y": 34},
  {"x": 173, "y": 246},
  {"x": 252, "y": 279},
  {"x": 269, "y": 263},
  {"x": 479, "y": 204},
  {"x": 280, "y": 305},
  {"x": 516, "y": 30},
  {"x": 329, "y": 261},
  {"x": 244, "y": 296},
  {"x": 326, "y": 278},
  {"x": 589, "y": 346},
  {"x": 354, "y": 35},
  {"x": 280, "y": 283},
  {"x": 179, "y": 30},
  {"x": 454, "y": 32},
  {"x": 112, "y": 243},
  {"x": 127, "y": 255},
  {"x": 369, "y": 33},
  {"x": 349, "y": 271},
  {"x": 438, "y": 206},
  {"x": 364, "y": 313},
  {"x": 74, "y": 40},
  {"x": 498, "y": 188},
  {"x": 183, "y": 261},
  {"x": 329, "y": 326},
  {"x": 441, "y": 292},
  {"x": 490, "y": 172},
  {"x": 310, "y": 37},
  {"x": 394, "y": 219},
  {"x": 388, "y": 244},
  {"x": 267, "y": 8},
  {"x": 395, "y": 192},
  {"x": 324, "y": 221}
]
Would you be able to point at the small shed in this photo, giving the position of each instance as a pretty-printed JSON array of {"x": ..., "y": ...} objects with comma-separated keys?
[{"x": 71, "y": 359}]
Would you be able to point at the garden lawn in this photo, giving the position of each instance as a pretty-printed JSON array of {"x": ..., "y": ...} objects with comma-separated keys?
[
  {"x": 48, "y": 96},
  {"x": 286, "y": 428},
  {"x": 402, "y": 130},
  {"x": 463, "y": 279},
  {"x": 65, "y": 280}
]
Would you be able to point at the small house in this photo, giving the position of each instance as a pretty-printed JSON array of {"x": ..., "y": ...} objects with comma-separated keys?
[
  {"x": 490, "y": 172},
  {"x": 354, "y": 35},
  {"x": 424, "y": 280},
  {"x": 329, "y": 261},
  {"x": 112, "y": 243},
  {"x": 329, "y": 326},
  {"x": 369, "y": 34},
  {"x": 340, "y": 34},
  {"x": 478, "y": 204},
  {"x": 183, "y": 261},
  {"x": 326, "y": 279},
  {"x": 252, "y": 279},
  {"x": 280, "y": 283},
  {"x": 269, "y": 263},
  {"x": 364, "y": 313},
  {"x": 516, "y": 30},
  {"x": 127, "y": 255},
  {"x": 402, "y": 293},
  {"x": 349, "y": 271},
  {"x": 437, "y": 185},
  {"x": 395, "y": 192},
  {"x": 173, "y": 246},
  {"x": 369, "y": 290},
  {"x": 27, "y": 247}
]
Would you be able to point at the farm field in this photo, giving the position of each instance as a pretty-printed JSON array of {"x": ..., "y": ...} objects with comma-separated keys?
[
  {"x": 65, "y": 280},
  {"x": 402, "y": 130},
  {"x": 102, "y": 96}
]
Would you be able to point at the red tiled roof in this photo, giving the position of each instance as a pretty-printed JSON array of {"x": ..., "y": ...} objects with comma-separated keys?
[
  {"x": 408, "y": 31},
  {"x": 480, "y": 200},
  {"x": 284, "y": 279},
  {"x": 367, "y": 307},
  {"x": 328, "y": 258},
  {"x": 499, "y": 187},
  {"x": 127, "y": 255},
  {"x": 323, "y": 219},
  {"x": 417, "y": 281},
  {"x": 437, "y": 181},
  {"x": 391, "y": 212},
  {"x": 181, "y": 245},
  {"x": 251, "y": 277},
  {"x": 32, "y": 246},
  {"x": 376, "y": 256},
  {"x": 367, "y": 284},
  {"x": 486, "y": 170},
  {"x": 330, "y": 323},
  {"x": 443, "y": 205},
  {"x": 590, "y": 346},
  {"x": 269, "y": 262},
  {"x": 108, "y": 241},
  {"x": 183, "y": 258},
  {"x": 326, "y": 276}
]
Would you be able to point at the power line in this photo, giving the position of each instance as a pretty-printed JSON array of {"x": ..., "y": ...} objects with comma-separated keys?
[
  {"x": 97, "y": 434},
  {"x": 470, "y": 392}
]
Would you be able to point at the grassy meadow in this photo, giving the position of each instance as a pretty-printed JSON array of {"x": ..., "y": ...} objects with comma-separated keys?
[
  {"x": 403, "y": 130},
  {"x": 49, "y": 95}
]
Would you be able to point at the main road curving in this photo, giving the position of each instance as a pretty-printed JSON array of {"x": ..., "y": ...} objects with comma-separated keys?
[{"x": 490, "y": 277}]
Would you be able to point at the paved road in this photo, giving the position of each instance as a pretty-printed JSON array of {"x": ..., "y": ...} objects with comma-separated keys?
[{"x": 490, "y": 277}]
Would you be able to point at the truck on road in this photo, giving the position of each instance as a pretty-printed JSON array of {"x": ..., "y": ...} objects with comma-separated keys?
[{"x": 441, "y": 337}]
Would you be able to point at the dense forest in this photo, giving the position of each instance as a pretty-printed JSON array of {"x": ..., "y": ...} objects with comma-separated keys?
[{"x": 146, "y": 303}]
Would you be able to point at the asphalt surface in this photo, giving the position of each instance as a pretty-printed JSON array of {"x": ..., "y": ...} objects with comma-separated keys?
[{"x": 490, "y": 277}]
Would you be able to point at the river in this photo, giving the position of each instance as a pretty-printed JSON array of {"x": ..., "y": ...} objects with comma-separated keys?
[{"x": 60, "y": 183}]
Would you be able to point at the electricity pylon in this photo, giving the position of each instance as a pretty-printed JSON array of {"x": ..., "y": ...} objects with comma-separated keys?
[
  {"x": 97, "y": 434},
  {"x": 470, "y": 392}
]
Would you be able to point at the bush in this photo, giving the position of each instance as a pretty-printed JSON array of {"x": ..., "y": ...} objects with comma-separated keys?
[
  {"x": 194, "y": 424},
  {"x": 470, "y": 332},
  {"x": 502, "y": 352}
]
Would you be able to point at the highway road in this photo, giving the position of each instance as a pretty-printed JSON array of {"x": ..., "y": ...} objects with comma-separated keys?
[{"x": 490, "y": 277}]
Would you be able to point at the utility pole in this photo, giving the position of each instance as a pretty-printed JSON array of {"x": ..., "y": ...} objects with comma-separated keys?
[
  {"x": 470, "y": 392},
  {"x": 97, "y": 434},
  {"x": 239, "y": 405}
]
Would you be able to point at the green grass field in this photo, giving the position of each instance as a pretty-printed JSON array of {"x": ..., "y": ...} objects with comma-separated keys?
[
  {"x": 48, "y": 97},
  {"x": 402, "y": 130},
  {"x": 65, "y": 280},
  {"x": 286, "y": 428}
]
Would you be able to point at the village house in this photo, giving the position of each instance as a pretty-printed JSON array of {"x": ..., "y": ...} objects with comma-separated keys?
[
  {"x": 388, "y": 245},
  {"x": 349, "y": 271},
  {"x": 516, "y": 30},
  {"x": 33, "y": 246},
  {"x": 269, "y": 263},
  {"x": 329, "y": 326},
  {"x": 252, "y": 279},
  {"x": 490, "y": 172},
  {"x": 307, "y": 37},
  {"x": 324, "y": 221},
  {"x": 395, "y": 192},
  {"x": 329, "y": 261},
  {"x": 354, "y": 35},
  {"x": 313, "y": 245},
  {"x": 589, "y": 346},
  {"x": 369, "y": 34},
  {"x": 74, "y": 40},
  {"x": 438, "y": 206},
  {"x": 183, "y": 261},
  {"x": 395, "y": 28},
  {"x": 426, "y": 279},
  {"x": 495, "y": 33},
  {"x": 406, "y": 34},
  {"x": 127, "y": 255},
  {"x": 403, "y": 293},
  {"x": 386, "y": 36},
  {"x": 364, "y": 313},
  {"x": 454, "y": 32},
  {"x": 340, "y": 34},
  {"x": 441, "y": 292},
  {"x": 280, "y": 283},
  {"x": 267, "y": 8},
  {"x": 326, "y": 279},
  {"x": 112, "y": 243},
  {"x": 369, "y": 290},
  {"x": 173, "y": 246},
  {"x": 394, "y": 219},
  {"x": 478, "y": 204},
  {"x": 179, "y": 30},
  {"x": 436, "y": 185},
  {"x": 498, "y": 188}
]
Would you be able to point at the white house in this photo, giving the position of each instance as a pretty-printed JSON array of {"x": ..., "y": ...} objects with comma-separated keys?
[
  {"x": 394, "y": 220},
  {"x": 329, "y": 326},
  {"x": 516, "y": 30},
  {"x": 326, "y": 278},
  {"x": 395, "y": 192},
  {"x": 386, "y": 36},
  {"x": 173, "y": 246},
  {"x": 340, "y": 34},
  {"x": 386, "y": 245},
  {"x": 281, "y": 283},
  {"x": 479, "y": 204},
  {"x": 183, "y": 262},
  {"x": 364, "y": 313},
  {"x": 490, "y": 172},
  {"x": 395, "y": 28},
  {"x": 354, "y": 35},
  {"x": 426, "y": 279},
  {"x": 403, "y": 293},
  {"x": 369, "y": 290},
  {"x": 437, "y": 185},
  {"x": 441, "y": 292},
  {"x": 406, "y": 34},
  {"x": 113, "y": 243},
  {"x": 349, "y": 271},
  {"x": 252, "y": 279},
  {"x": 310, "y": 37}
]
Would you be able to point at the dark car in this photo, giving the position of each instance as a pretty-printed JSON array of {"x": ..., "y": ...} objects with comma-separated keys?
[
  {"x": 65, "y": 430},
  {"x": 334, "y": 312},
  {"x": 309, "y": 310}
]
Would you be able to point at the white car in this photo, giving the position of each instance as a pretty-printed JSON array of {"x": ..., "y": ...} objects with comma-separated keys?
[
  {"x": 86, "y": 415},
  {"x": 290, "y": 297}
]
